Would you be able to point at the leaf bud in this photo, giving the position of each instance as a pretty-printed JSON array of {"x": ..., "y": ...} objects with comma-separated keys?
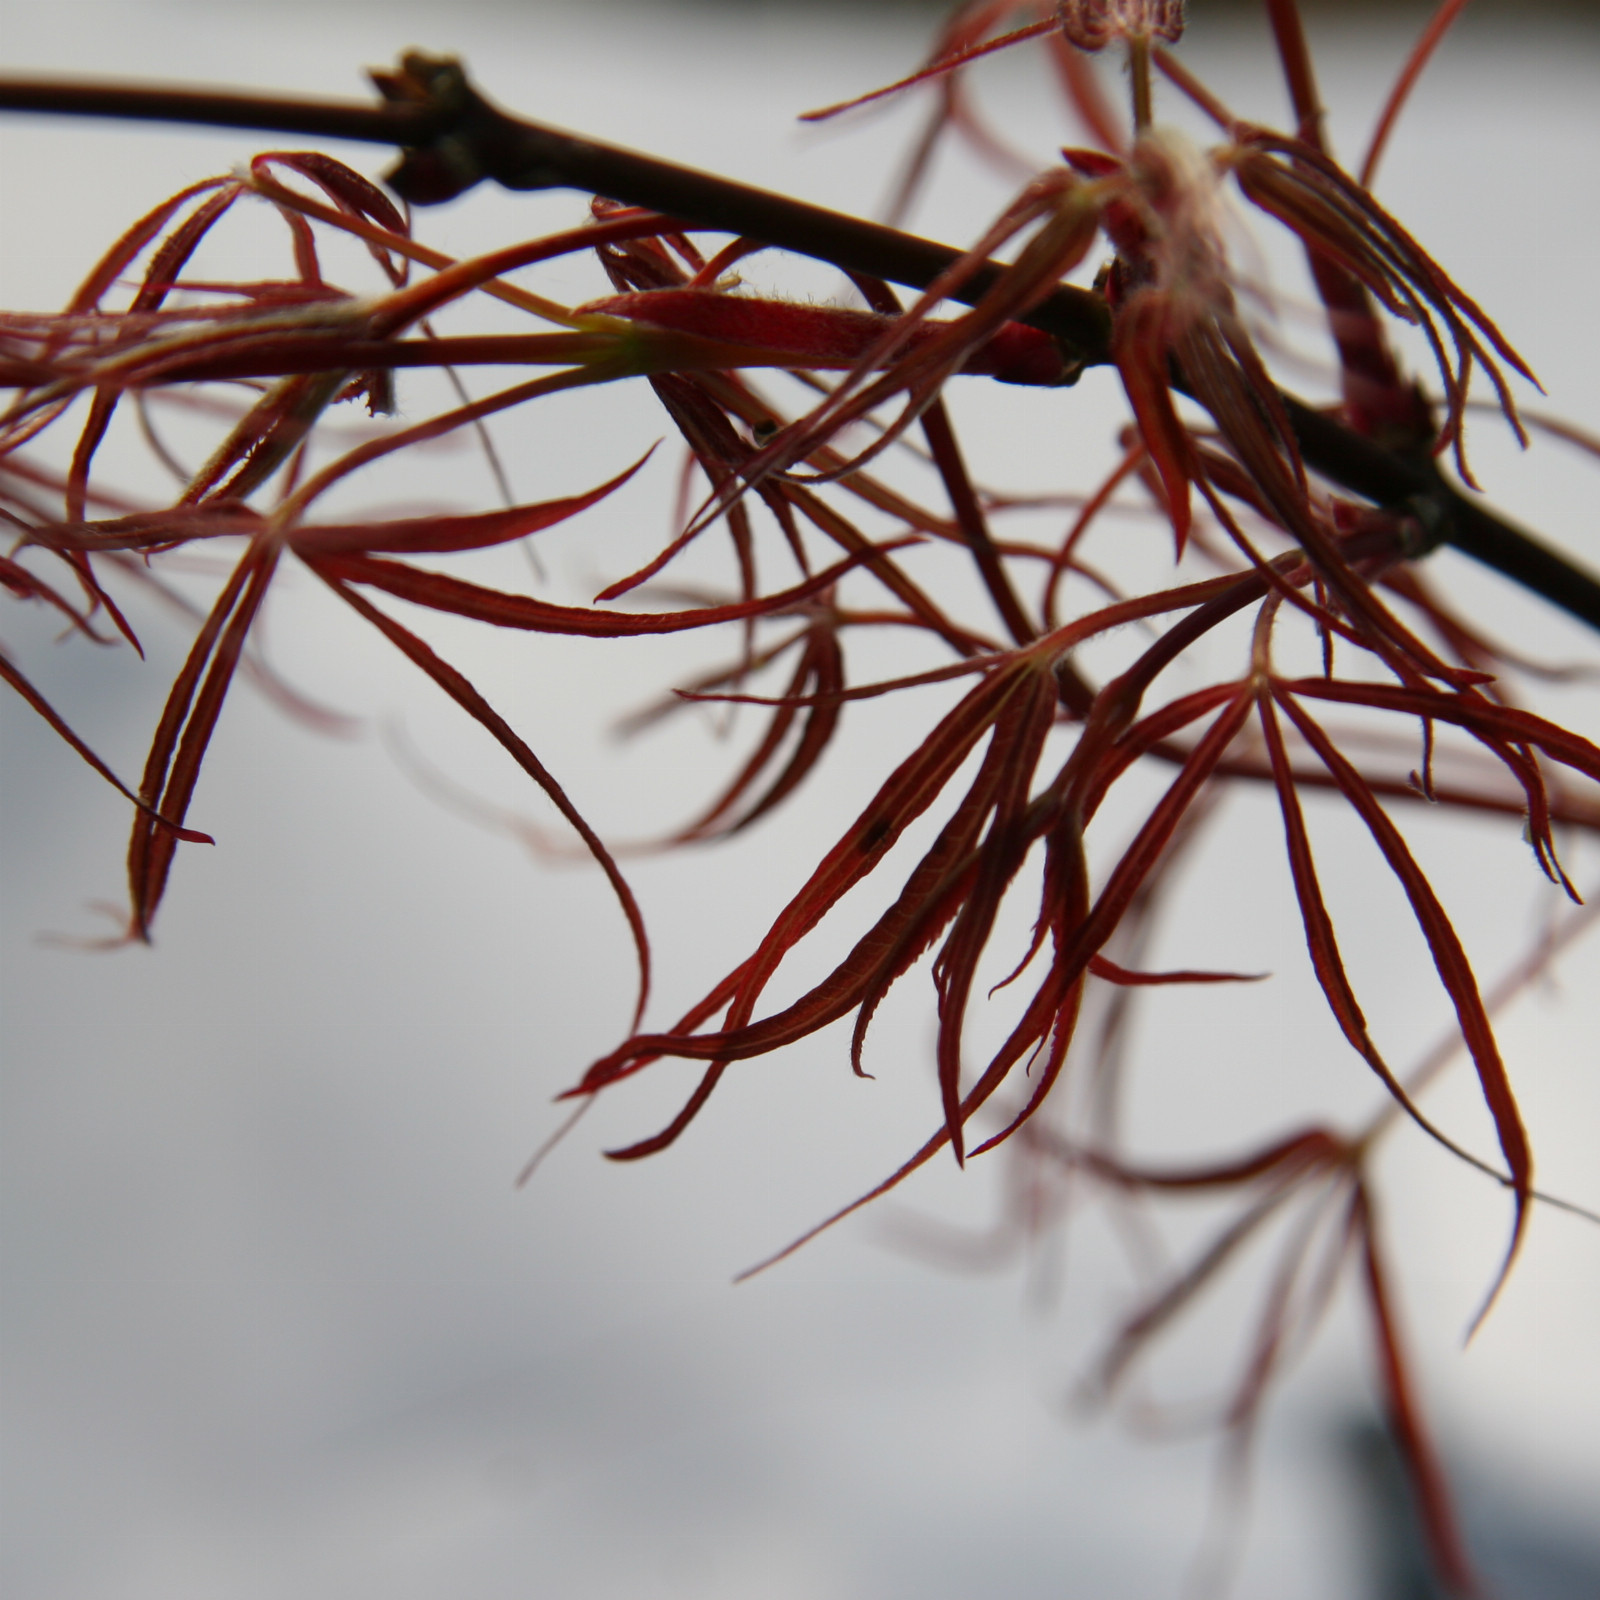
[{"x": 1093, "y": 24}]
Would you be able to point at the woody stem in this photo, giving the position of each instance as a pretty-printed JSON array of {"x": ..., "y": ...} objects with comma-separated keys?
[
  {"x": 452, "y": 138},
  {"x": 1139, "y": 80}
]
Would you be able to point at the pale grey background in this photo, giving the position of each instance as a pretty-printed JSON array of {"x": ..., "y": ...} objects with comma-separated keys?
[{"x": 275, "y": 1322}]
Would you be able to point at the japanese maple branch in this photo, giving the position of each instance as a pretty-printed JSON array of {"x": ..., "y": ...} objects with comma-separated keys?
[{"x": 451, "y": 138}]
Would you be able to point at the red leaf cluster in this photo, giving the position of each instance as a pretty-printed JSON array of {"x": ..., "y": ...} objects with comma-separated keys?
[{"x": 1039, "y": 758}]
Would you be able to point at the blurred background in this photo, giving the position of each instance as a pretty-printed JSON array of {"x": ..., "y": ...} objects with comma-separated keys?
[{"x": 275, "y": 1321}]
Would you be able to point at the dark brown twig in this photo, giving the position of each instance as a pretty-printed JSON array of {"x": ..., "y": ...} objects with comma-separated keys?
[{"x": 452, "y": 138}]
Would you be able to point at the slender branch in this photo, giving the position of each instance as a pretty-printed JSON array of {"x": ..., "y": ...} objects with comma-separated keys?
[
  {"x": 451, "y": 138},
  {"x": 391, "y": 123},
  {"x": 1447, "y": 514}
]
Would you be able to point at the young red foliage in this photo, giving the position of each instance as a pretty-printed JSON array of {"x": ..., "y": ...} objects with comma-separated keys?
[{"x": 1021, "y": 779}]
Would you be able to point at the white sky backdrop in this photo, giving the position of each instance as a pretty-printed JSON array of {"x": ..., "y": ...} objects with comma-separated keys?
[{"x": 275, "y": 1322}]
